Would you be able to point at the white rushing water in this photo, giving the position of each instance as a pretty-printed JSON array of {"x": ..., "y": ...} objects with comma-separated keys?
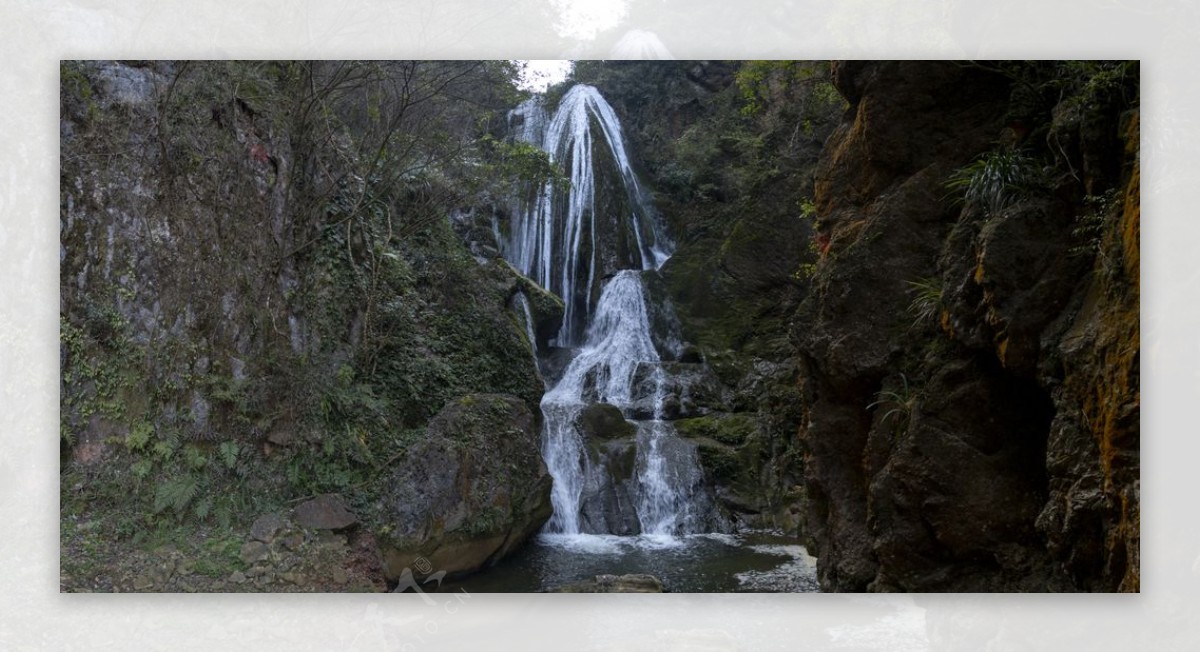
[
  {"x": 552, "y": 239},
  {"x": 618, "y": 339},
  {"x": 526, "y": 316}
]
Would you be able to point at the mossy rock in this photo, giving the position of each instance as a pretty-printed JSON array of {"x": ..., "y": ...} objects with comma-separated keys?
[
  {"x": 726, "y": 428},
  {"x": 720, "y": 461},
  {"x": 604, "y": 422},
  {"x": 546, "y": 308},
  {"x": 471, "y": 491}
]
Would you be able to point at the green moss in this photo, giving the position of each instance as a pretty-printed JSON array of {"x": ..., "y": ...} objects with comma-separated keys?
[
  {"x": 604, "y": 421},
  {"x": 731, "y": 429}
]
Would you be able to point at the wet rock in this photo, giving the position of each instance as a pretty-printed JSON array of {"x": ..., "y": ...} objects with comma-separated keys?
[
  {"x": 609, "y": 583},
  {"x": 326, "y": 512},
  {"x": 688, "y": 390},
  {"x": 609, "y": 500},
  {"x": 604, "y": 422},
  {"x": 546, "y": 308}
]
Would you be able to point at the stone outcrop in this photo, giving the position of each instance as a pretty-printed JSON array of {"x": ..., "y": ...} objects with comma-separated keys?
[
  {"x": 248, "y": 315},
  {"x": 472, "y": 490},
  {"x": 609, "y": 583},
  {"x": 326, "y": 512},
  {"x": 969, "y": 371}
]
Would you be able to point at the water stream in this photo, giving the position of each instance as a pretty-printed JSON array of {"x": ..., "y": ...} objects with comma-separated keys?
[{"x": 638, "y": 494}]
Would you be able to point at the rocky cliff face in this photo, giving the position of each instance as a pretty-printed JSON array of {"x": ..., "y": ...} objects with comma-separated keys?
[
  {"x": 253, "y": 311},
  {"x": 969, "y": 369}
]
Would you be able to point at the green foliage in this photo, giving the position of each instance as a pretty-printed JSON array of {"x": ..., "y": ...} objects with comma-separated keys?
[
  {"x": 926, "y": 304},
  {"x": 516, "y": 164},
  {"x": 139, "y": 436},
  {"x": 995, "y": 180},
  {"x": 898, "y": 406},
  {"x": 176, "y": 493},
  {"x": 763, "y": 83},
  {"x": 228, "y": 452},
  {"x": 1089, "y": 225}
]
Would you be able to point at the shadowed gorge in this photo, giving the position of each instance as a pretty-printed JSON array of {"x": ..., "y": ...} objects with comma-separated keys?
[{"x": 666, "y": 326}]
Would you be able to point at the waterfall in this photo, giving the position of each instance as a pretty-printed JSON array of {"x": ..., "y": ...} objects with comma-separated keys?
[
  {"x": 617, "y": 340},
  {"x": 560, "y": 248},
  {"x": 526, "y": 316},
  {"x": 597, "y": 237}
]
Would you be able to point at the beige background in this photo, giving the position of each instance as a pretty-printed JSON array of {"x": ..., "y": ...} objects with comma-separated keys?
[{"x": 34, "y": 34}]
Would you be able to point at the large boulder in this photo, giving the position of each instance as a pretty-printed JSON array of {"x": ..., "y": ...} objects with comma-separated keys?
[
  {"x": 470, "y": 492},
  {"x": 601, "y": 421}
]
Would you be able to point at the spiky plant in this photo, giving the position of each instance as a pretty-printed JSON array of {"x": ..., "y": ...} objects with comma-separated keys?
[
  {"x": 995, "y": 180},
  {"x": 900, "y": 405},
  {"x": 926, "y": 301}
]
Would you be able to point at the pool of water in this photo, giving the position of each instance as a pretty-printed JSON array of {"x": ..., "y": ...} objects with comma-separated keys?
[{"x": 746, "y": 562}]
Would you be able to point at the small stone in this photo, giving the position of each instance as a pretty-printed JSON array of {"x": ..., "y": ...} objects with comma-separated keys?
[
  {"x": 338, "y": 576},
  {"x": 237, "y": 578},
  {"x": 610, "y": 583},
  {"x": 143, "y": 583},
  {"x": 327, "y": 512},
  {"x": 293, "y": 578},
  {"x": 292, "y": 541},
  {"x": 266, "y": 527},
  {"x": 280, "y": 437},
  {"x": 331, "y": 540},
  {"x": 253, "y": 552}
]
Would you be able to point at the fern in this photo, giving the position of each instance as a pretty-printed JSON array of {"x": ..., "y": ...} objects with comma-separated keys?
[
  {"x": 176, "y": 494},
  {"x": 202, "y": 508},
  {"x": 141, "y": 469},
  {"x": 194, "y": 457},
  {"x": 228, "y": 452},
  {"x": 139, "y": 436}
]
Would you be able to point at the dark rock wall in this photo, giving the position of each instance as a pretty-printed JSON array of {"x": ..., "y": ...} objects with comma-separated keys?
[{"x": 989, "y": 442}]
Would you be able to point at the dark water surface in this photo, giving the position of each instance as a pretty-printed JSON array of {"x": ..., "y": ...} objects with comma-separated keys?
[{"x": 746, "y": 562}]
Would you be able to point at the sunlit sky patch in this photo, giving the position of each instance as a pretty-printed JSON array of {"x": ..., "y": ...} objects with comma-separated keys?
[
  {"x": 582, "y": 20},
  {"x": 540, "y": 74}
]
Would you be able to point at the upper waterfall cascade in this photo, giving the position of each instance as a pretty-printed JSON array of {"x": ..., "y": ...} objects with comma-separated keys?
[{"x": 559, "y": 238}]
